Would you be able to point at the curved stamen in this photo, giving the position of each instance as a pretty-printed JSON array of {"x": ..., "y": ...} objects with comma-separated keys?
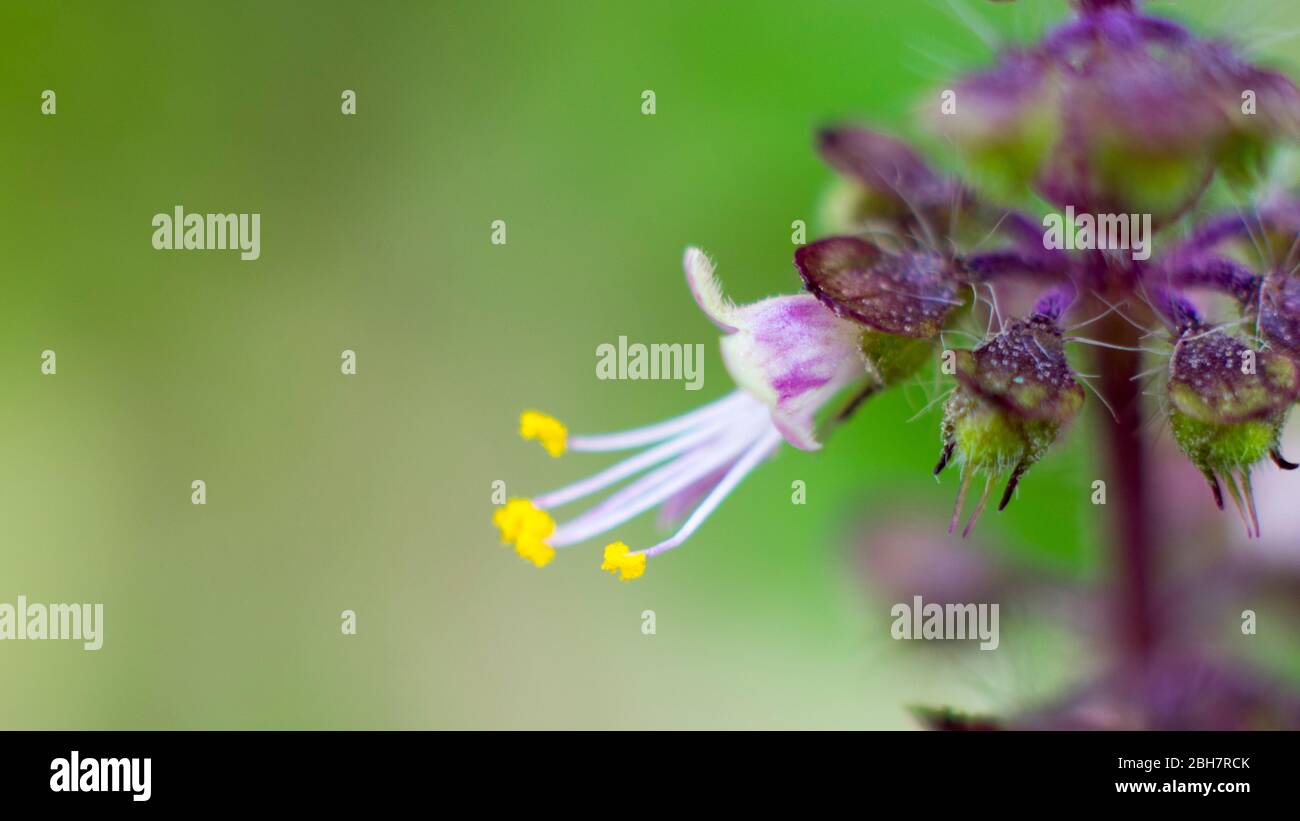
[
  {"x": 654, "y": 489},
  {"x": 630, "y": 466},
  {"x": 626, "y": 440},
  {"x": 757, "y": 453},
  {"x": 670, "y": 472},
  {"x": 747, "y": 426}
]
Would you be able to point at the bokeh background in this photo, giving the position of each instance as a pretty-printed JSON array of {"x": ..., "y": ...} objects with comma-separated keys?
[{"x": 372, "y": 492}]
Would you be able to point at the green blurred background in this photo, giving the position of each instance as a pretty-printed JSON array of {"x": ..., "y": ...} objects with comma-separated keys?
[{"x": 372, "y": 492}]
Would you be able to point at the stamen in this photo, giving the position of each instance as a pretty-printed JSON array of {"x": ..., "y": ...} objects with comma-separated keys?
[
  {"x": 620, "y": 561},
  {"x": 756, "y": 454},
  {"x": 626, "y": 440},
  {"x": 520, "y": 516},
  {"x": 653, "y": 489},
  {"x": 629, "y": 467},
  {"x": 683, "y": 465},
  {"x": 739, "y": 431},
  {"x": 527, "y": 528},
  {"x": 545, "y": 429},
  {"x": 535, "y": 551}
]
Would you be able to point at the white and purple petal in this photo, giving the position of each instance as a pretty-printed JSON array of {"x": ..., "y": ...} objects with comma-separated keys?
[{"x": 790, "y": 352}]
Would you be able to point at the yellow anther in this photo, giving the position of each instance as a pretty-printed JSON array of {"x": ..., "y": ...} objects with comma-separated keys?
[
  {"x": 619, "y": 559},
  {"x": 535, "y": 550},
  {"x": 545, "y": 429},
  {"x": 520, "y": 522}
]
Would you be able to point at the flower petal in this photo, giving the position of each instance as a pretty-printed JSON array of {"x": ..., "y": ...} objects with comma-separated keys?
[
  {"x": 707, "y": 291},
  {"x": 788, "y": 352},
  {"x": 794, "y": 355}
]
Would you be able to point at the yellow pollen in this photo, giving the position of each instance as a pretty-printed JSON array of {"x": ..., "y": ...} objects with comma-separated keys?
[
  {"x": 535, "y": 550},
  {"x": 527, "y": 527},
  {"x": 545, "y": 429},
  {"x": 619, "y": 559}
]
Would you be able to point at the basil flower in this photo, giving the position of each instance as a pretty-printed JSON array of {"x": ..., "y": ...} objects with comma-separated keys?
[{"x": 788, "y": 355}]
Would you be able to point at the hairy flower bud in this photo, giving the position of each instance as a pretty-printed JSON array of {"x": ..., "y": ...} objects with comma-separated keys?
[
  {"x": 1014, "y": 394},
  {"x": 1227, "y": 404}
]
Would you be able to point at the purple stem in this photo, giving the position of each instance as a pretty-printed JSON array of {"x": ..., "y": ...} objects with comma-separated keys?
[{"x": 1128, "y": 494}]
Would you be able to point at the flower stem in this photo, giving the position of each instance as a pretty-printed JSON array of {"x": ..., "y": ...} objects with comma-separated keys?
[{"x": 1133, "y": 538}]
